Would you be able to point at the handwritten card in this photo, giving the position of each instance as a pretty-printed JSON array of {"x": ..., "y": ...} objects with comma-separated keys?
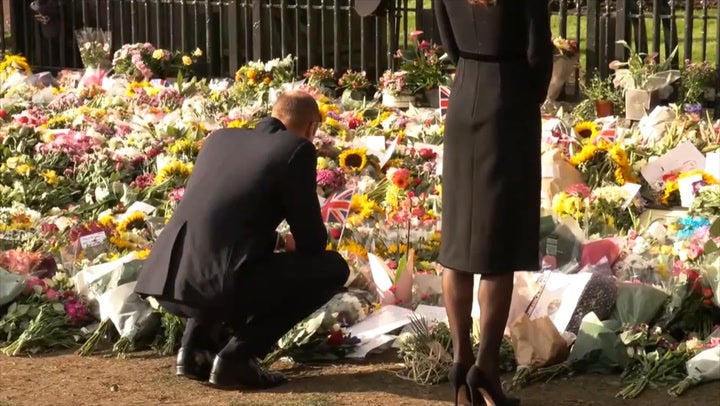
[
  {"x": 92, "y": 240},
  {"x": 683, "y": 158}
]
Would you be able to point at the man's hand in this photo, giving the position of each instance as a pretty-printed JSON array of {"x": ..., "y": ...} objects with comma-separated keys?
[{"x": 289, "y": 243}]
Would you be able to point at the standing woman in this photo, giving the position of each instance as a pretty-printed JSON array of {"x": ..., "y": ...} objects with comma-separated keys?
[{"x": 491, "y": 173}]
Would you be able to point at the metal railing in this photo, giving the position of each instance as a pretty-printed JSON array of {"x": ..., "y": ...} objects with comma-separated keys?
[{"x": 330, "y": 32}]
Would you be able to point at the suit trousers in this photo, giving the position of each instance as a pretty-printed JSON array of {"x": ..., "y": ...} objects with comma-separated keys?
[{"x": 270, "y": 295}]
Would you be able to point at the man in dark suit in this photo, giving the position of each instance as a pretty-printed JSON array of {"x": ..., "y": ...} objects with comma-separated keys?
[{"x": 217, "y": 261}]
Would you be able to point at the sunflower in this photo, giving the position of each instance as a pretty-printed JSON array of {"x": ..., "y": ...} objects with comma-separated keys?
[
  {"x": 586, "y": 130},
  {"x": 353, "y": 159},
  {"x": 172, "y": 169},
  {"x": 135, "y": 220},
  {"x": 121, "y": 243},
  {"x": 353, "y": 249},
  {"x": 184, "y": 146}
]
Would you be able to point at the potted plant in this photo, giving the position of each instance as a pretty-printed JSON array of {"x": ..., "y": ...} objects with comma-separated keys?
[
  {"x": 321, "y": 79},
  {"x": 603, "y": 94},
  {"x": 696, "y": 83},
  {"x": 426, "y": 68},
  {"x": 356, "y": 87},
  {"x": 565, "y": 60},
  {"x": 395, "y": 91},
  {"x": 643, "y": 78}
]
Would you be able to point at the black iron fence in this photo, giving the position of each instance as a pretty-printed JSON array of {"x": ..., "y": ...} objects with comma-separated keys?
[{"x": 331, "y": 33}]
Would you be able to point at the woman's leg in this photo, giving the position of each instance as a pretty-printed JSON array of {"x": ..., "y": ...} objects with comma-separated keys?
[
  {"x": 458, "y": 297},
  {"x": 494, "y": 296}
]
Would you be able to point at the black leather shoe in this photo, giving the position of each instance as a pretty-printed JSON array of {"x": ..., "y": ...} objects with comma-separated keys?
[
  {"x": 193, "y": 364},
  {"x": 243, "y": 373}
]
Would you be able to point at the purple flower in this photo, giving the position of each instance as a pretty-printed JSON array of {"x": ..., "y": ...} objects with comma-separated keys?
[{"x": 695, "y": 108}]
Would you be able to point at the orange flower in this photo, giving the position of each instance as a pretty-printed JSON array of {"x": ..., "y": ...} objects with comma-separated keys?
[{"x": 400, "y": 177}]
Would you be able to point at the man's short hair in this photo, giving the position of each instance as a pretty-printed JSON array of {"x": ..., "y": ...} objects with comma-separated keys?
[{"x": 296, "y": 109}]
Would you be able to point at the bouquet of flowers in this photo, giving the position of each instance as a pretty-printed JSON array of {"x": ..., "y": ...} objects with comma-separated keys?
[
  {"x": 565, "y": 47},
  {"x": 603, "y": 164},
  {"x": 94, "y": 47},
  {"x": 426, "y": 351},
  {"x": 319, "y": 77},
  {"x": 256, "y": 78},
  {"x": 48, "y": 315},
  {"x": 654, "y": 359},
  {"x": 393, "y": 83},
  {"x": 323, "y": 334},
  {"x": 703, "y": 367}
]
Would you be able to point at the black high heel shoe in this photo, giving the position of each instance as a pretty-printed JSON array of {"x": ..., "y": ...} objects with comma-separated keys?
[
  {"x": 457, "y": 377},
  {"x": 482, "y": 392}
]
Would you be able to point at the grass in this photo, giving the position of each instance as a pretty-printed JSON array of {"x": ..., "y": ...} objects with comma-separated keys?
[{"x": 701, "y": 50}]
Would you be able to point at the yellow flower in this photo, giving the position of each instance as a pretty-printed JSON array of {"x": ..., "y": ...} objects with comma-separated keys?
[
  {"x": 238, "y": 124},
  {"x": 332, "y": 122},
  {"x": 173, "y": 169},
  {"x": 326, "y": 108},
  {"x": 587, "y": 153},
  {"x": 50, "y": 176},
  {"x": 121, "y": 243},
  {"x": 354, "y": 158},
  {"x": 184, "y": 146},
  {"x": 322, "y": 163},
  {"x": 586, "y": 130},
  {"x": 135, "y": 220},
  {"x": 15, "y": 62},
  {"x": 392, "y": 196},
  {"x": 353, "y": 248},
  {"x": 397, "y": 249},
  {"x": 23, "y": 169},
  {"x": 198, "y": 52},
  {"x": 107, "y": 220},
  {"x": 158, "y": 54},
  {"x": 142, "y": 254},
  {"x": 186, "y": 60}
]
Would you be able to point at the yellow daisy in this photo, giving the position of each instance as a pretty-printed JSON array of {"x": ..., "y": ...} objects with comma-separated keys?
[{"x": 173, "y": 169}]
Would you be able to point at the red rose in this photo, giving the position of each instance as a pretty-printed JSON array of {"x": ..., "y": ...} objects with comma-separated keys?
[
  {"x": 335, "y": 233},
  {"x": 336, "y": 338}
]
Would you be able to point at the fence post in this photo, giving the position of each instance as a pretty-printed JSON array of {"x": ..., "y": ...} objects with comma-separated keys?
[
  {"x": 592, "y": 48},
  {"x": 233, "y": 37},
  {"x": 621, "y": 29},
  {"x": 689, "y": 17},
  {"x": 257, "y": 29}
]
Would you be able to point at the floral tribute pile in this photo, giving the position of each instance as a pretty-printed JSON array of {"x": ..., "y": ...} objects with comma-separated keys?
[{"x": 92, "y": 164}]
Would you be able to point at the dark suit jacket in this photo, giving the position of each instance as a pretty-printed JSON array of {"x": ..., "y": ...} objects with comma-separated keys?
[
  {"x": 244, "y": 183},
  {"x": 510, "y": 28}
]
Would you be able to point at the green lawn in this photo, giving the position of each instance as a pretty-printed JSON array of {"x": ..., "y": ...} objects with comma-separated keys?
[{"x": 710, "y": 44}]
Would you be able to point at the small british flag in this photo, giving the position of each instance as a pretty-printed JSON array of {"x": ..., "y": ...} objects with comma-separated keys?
[
  {"x": 337, "y": 207},
  {"x": 444, "y": 94}
]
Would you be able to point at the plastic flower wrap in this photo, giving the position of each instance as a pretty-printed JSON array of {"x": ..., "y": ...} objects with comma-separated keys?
[
  {"x": 95, "y": 46},
  {"x": 703, "y": 367}
]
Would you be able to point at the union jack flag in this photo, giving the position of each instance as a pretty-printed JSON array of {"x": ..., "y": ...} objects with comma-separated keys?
[
  {"x": 337, "y": 207},
  {"x": 444, "y": 94}
]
